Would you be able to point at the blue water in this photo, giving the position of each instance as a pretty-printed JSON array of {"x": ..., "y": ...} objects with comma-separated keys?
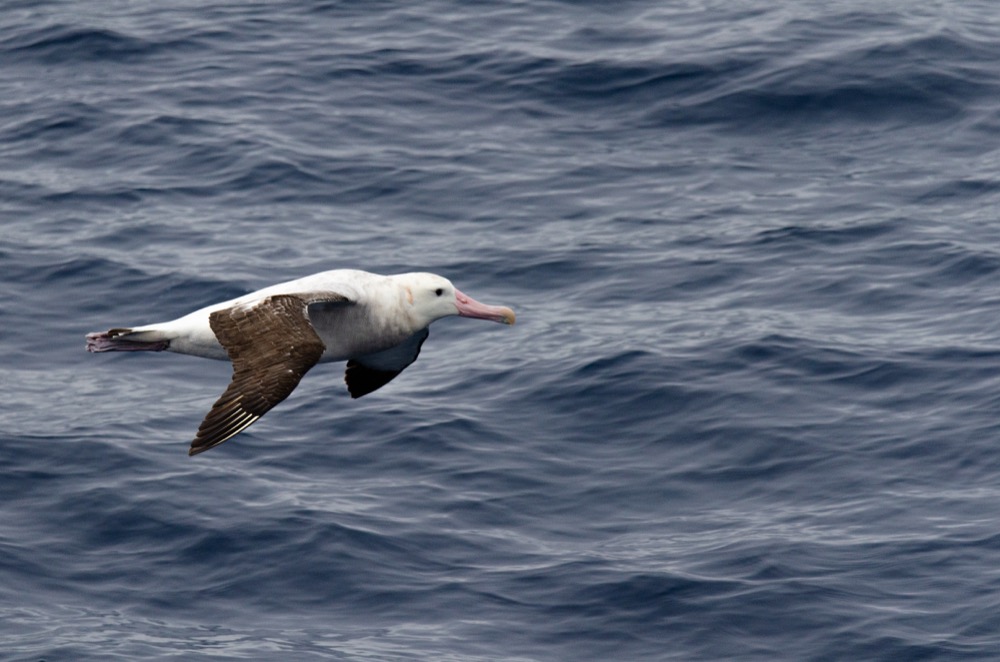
[{"x": 750, "y": 410}]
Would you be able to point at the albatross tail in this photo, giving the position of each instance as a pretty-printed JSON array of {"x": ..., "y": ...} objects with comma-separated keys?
[{"x": 126, "y": 340}]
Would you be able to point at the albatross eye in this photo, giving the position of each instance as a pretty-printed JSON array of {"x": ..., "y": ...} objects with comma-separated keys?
[{"x": 439, "y": 291}]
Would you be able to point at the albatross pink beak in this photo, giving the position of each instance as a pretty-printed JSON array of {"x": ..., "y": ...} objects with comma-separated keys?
[{"x": 469, "y": 307}]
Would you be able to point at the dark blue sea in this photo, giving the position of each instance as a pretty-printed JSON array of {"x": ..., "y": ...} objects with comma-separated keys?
[{"x": 750, "y": 410}]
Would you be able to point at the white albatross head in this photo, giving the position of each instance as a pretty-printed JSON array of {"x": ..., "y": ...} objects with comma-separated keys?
[{"x": 433, "y": 297}]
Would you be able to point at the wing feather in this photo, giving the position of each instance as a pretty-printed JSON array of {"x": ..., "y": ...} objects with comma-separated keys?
[
  {"x": 272, "y": 344},
  {"x": 369, "y": 373}
]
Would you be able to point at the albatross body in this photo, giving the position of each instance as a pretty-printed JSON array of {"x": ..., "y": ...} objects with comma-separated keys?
[{"x": 275, "y": 335}]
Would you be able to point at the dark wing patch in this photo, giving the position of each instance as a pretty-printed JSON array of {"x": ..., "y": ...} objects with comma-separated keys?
[
  {"x": 362, "y": 380},
  {"x": 372, "y": 372},
  {"x": 272, "y": 345}
]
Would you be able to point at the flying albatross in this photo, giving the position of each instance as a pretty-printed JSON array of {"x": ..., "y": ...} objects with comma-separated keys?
[{"x": 275, "y": 335}]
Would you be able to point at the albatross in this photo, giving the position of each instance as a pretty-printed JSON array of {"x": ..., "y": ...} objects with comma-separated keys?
[{"x": 275, "y": 335}]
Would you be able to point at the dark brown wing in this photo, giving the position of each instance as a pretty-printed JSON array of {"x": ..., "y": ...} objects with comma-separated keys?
[
  {"x": 368, "y": 373},
  {"x": 272, "y": 345}
]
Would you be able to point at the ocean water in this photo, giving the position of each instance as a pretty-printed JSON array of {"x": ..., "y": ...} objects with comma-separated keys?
[{"x": 750, "y": 410}]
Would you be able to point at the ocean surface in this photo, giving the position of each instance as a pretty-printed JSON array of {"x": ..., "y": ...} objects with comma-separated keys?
[{"x": 750, "y": 409}]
